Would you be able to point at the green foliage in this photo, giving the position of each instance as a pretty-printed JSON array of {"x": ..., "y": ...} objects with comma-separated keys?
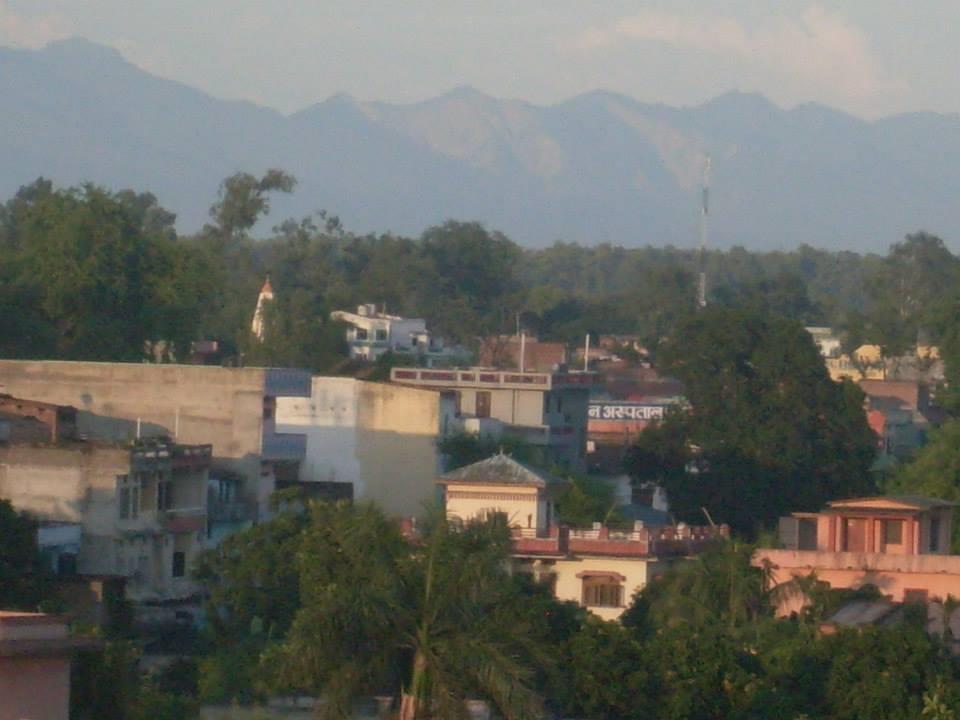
[
  {"x": 99, "y": 276},
  {"x": 768, "y": 431},
  {"x": 253, "y": 579},
  {"x": 586, "y": 500},
  {"x": 460, "y": 449},
  {"x": 441, "y": 619},
  {"x": 934, "y": 471},
  {"x": 612, "y": 677},
  {"x": 21, "y": 581},
  {"x": 719, "y": 586}
]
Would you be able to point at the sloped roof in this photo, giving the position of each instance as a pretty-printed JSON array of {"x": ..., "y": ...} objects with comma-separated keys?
[
  {"x": 892, "y": 502},
  {"x": 499, "y": 469}
]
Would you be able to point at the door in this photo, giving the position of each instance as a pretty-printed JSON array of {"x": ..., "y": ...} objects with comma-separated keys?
[
  {"x": 483, "y": 403},
  {"x": 855, "y": 535}
]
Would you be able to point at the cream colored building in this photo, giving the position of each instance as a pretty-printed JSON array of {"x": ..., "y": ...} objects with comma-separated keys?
[
  {"x": 369, "y": 441},
  {"x": 545, "y": 409},
  {"x": 597, "y": 567}
]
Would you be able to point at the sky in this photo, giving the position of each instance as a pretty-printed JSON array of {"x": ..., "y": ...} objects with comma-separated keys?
[{"x": 868, "y": 57}]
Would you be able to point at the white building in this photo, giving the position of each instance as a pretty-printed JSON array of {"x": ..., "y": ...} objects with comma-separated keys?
[
  {"x": 366, "y": 441},
  {"x": 827, "y": 342},
  {"x": 372, "y": 333}
]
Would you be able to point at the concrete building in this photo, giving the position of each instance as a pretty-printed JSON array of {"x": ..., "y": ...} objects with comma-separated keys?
[
  {"x": 367, "y": 441},
  {"x": 598, "y": 567},
  {"x": 900, "y": 545},
  {"x": 547, "y": 410},
  {"x": 371, "y": 333},
  {"x": 228, "y": 408},
  {"x": 34, "y": 666},
  {"x": 138, "y": 513}
]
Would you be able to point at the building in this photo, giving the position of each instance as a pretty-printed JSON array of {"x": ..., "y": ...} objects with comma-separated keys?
[
  {"x": 826, "y": 341},
  {"x": 366, "y": 441},
  {"x": 544, "y": 409},
  {"x": 598, "y": 567},
  {"x": 227, "y": 408},
  {"x": 35, "y": 654},
  {"x": 868, "y": 362},
  {"x": 371, "y": 333},
  {"x": 900, "y": 545},
  {"x": 137, "y": 512}
]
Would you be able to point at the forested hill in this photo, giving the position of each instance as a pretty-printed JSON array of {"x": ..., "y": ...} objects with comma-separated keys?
[{"x": 597, "y": 168}]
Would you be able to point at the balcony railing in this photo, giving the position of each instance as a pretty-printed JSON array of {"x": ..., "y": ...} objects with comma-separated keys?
[{"x": 641, "y": 542}]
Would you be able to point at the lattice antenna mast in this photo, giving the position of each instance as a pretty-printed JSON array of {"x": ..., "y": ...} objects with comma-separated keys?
[{"x": 704, "y": 217}]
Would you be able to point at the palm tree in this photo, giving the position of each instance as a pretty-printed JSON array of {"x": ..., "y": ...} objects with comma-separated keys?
[{"x": 439, "y": 617}]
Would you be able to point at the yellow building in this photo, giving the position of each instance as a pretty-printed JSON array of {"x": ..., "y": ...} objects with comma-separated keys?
[{"x": 597, "y": 567}]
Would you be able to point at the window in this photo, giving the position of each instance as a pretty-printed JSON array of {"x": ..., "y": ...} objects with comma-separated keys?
[
  {"x": 179, "y": 564},
  {"x": 602, "y": 592},
  {"x": 381, "y": 334},
  {"x": 128, "y": 497},
  {"x": 483, "y": 404},
  {"x": 893, "y": 532},
  {"x": 934, "y": 543},
  {"x": 164, "y": 495},
  {"x": 361, "y": 334}
]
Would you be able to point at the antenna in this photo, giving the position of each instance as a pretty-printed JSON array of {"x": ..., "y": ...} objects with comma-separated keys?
[{"x": 704, "y": 216}]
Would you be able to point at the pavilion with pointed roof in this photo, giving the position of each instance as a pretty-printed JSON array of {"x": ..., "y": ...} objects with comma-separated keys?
[{"x": 501, "y": 484}]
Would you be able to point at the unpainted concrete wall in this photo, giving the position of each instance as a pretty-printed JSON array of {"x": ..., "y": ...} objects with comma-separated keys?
[
  {"x": 380, "y": 438},
  {"x": 194, "y": 403}
]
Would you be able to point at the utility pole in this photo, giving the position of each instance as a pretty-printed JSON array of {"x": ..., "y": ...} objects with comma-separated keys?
[{"x": 704, "y": 217}]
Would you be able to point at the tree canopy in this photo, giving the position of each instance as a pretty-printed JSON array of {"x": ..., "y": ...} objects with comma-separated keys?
[{"x": 767, "y": 431}]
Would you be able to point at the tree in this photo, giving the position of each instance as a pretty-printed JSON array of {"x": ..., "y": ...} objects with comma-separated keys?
[
  {"x": 934, "y": 471},
  {"x": 244, "y": 198},
  {"x": 767, "y": 432},
  {"x": 20, "y": 587},
  {"x": 101, "y": 275},
  {"x": 440, "y": 618}
]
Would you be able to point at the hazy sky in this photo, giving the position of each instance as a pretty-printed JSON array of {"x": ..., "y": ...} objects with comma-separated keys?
[{"x": 870, "y": 57}]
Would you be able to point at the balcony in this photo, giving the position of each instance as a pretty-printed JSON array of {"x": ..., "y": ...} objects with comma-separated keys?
[{"x": 667, "y": 541}]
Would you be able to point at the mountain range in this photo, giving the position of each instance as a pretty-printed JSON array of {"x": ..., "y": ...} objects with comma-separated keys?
[{"x": 599, "y": 167}]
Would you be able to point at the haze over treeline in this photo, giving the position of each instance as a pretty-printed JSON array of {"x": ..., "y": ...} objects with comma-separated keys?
[
  {"x": 92, "y": 273},
  {"x": 597, "y": 168}
]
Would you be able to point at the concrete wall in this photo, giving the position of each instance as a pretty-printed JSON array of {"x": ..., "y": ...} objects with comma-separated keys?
[
  {"x": 34, "y": 688},
  {"x": 380, "y": 438},
  {"x": 519, "y": 503},
  {"x": 70, "y": 485},
  {"x": 893, "y": 575},
  {"x": 194, "y": 403},
  {"x": 637, "y": 572}
]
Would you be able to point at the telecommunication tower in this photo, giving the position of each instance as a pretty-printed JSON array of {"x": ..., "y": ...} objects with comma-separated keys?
[{"x": 704, "y": 217}]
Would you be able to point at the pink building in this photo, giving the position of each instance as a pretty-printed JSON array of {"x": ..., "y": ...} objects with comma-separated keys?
[
  {"x": 34, "y": 666},
  {"x": 901, "y": 545}
]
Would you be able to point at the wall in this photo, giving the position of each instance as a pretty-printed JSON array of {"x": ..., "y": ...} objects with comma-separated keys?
[
  {"x": 380, "y": 438},
  {"x": 34, "y": 688},
  {"x": 519, "y": 503},
  {"x": 194, "y": 403},
  {"x": 636, "y": 571},
  {"x": 71, "y": 485},
  {"x": 939, "y": 575}
]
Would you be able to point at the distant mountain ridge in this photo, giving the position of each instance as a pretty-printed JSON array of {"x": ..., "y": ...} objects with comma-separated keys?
[{"x": 599, "y": 167}]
